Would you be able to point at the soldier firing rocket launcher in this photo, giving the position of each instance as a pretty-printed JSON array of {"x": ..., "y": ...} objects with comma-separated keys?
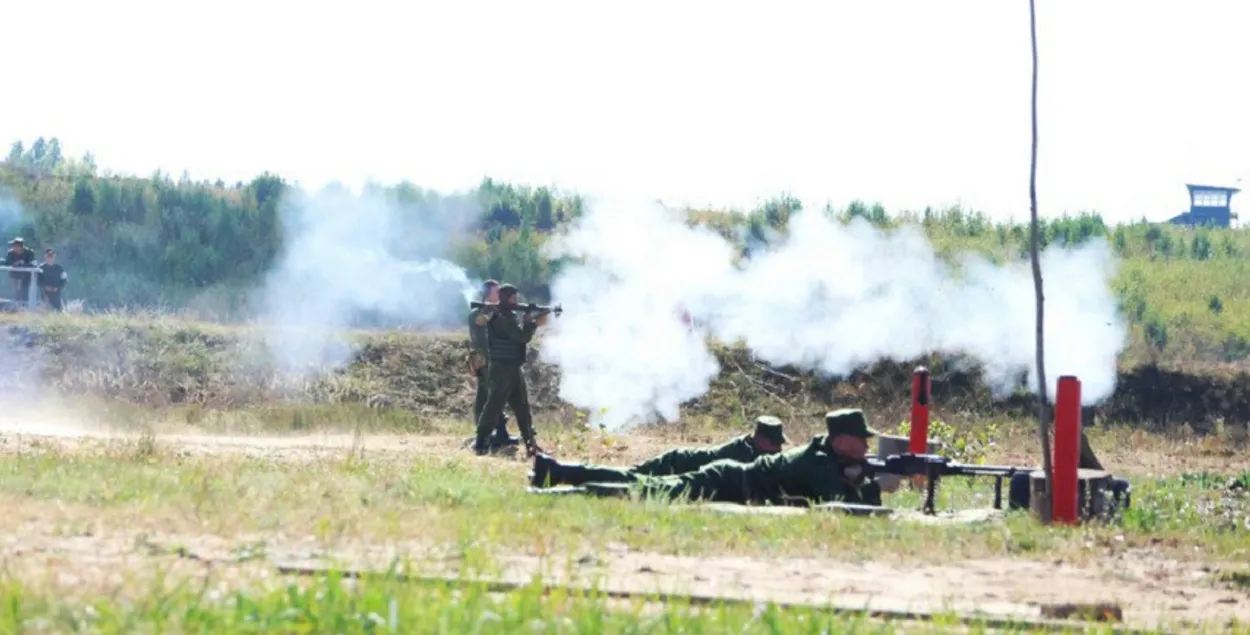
[
  {"x": 935, "y": 466},
  {"x": 530, "y": 308}
]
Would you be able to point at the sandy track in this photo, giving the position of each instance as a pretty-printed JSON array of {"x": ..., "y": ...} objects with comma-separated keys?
[
  {"x": 1151, "y": 589},
  {"x": 1152, "y": 592}
]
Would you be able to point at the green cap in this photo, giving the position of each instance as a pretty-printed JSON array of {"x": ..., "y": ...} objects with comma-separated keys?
[
  {"x": 769, "y": 427},
  {"x": 849, "y": 421}
]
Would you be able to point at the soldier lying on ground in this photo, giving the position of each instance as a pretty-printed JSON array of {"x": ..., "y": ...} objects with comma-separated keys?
[
  {"x": 768, "y": 438},
  {"x": 827, "y": 469}
]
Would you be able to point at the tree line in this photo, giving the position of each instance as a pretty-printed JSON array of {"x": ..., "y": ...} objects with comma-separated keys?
[{"x": 157, "y": 241}]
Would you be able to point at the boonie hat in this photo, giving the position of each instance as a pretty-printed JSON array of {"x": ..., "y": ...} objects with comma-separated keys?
[
  {"x": 849, "y": 421},
  {"x": 770, "y": 427}
]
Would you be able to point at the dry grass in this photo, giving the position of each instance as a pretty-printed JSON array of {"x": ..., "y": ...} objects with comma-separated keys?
[
  {"x": 129, "y": 440},
  {"x": 163, "y": 361},
  {"x": 83, "y": 510}
]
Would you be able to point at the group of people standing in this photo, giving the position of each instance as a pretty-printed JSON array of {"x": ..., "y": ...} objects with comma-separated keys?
[
  {"x": 51, "y": 278},
  {"x": 499, "y": 338}
]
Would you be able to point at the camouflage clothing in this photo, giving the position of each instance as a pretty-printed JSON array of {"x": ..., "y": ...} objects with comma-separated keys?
[
  {"x": 21, "y": 279},
  {"x": 478, "y": 364},
  {"x": 52, "y": 279},
  {"x": 740, "y": 449},
  {"x": 811, "y": 472},
  {"x": 743, "y": 449},
  {"x": 507, "y": 343}
]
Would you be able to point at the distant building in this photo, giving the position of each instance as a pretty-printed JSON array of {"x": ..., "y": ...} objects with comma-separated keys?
[{"x": 1208, "y": 205}]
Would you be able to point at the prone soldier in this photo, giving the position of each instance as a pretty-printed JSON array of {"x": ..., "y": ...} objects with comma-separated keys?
[
  {"x": 507, "y": 339},
  {"x": 827, "y": 469},
  {"x": 767, "y": 438},
  {"x": 478, "y": 361}
]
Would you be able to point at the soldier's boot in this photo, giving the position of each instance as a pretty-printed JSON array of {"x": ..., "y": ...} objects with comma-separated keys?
[
  {"x": 483, "y": 446},
  {"x": 544, "y": 472},
  {"x": 550, "y": 472},
  {"x": 571, "y": 474},
  {"x": 502, "y": 438}
]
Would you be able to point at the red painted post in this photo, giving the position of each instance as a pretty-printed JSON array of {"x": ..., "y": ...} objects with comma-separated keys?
[
  {"x": 1067, "y": 451},
  {"x": 920, "y": 398}
]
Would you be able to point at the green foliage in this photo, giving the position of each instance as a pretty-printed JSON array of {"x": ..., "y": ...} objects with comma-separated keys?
[
  {"x": 384, "y": 602},
  {"x": 157, "y": 242},
  {"x": 1219, "y": 503},
  {"x": 968, "y": 445}
]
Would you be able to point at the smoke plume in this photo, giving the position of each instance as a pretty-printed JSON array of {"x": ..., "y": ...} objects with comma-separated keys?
[
  {"x": 352, "y": 261},
  {"x": 10, "y": 208},
  {"x": 828, "y": 297}
]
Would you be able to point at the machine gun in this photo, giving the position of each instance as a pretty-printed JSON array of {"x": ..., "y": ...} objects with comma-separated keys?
[
  {"x": 528, "y": 309},
  {"x": 935, "y": 466}
]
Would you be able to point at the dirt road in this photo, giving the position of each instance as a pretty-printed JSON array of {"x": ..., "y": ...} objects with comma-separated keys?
[{"x": 1150, "y": 588}]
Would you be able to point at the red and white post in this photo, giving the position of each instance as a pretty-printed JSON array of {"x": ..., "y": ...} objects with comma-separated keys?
[
  {"x": 1067, "y": 458},
  {"x": 920, "y": 400}
]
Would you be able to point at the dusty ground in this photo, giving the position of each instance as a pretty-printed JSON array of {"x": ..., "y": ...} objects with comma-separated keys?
[{"x": 1152, "y": 589}]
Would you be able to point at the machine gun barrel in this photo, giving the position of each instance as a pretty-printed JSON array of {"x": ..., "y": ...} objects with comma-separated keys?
[
  {"x": 935, "y": 466},
  {"x": 529, "y": 308}
]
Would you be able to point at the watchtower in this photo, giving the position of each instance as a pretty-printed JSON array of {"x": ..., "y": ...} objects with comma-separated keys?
[{"x": 1208, "y": 205}]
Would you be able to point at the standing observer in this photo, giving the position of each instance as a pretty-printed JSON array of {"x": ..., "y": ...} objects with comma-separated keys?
[
  {"x": 507, "y": 339},
  {"x": 52, "y": 279},
  {"x": 19, "y": 256},
  {"x": 479, "y": 363}
]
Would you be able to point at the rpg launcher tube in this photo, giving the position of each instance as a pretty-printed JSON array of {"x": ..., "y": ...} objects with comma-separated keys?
[
  {"x": 1067, "y": 451},
  {"x": 523, "y": 308},
  {"x": 920, "y": 400}
]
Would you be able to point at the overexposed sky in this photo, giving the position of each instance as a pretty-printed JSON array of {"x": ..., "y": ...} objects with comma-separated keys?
[{"x": 705, "y": 103}]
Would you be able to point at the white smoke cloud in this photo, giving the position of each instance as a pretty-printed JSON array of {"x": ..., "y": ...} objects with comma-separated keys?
[
  {"x": 351, "y": 259},
  {"x": 632, "y": 357},
  {"x": 829, "y": 298},
  {"x": 10, "y": 208}
]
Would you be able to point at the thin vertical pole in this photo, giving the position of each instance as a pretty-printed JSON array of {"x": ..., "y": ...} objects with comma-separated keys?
[{"x": 1042, "y": 400}]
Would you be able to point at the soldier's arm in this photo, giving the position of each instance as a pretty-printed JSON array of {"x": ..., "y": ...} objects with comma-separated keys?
[
  {"x": 659, "y": 465},
  {"x": 477, "y": 329},
  {"x": 527, "y": 331},
  {"x": 869, "y": 494},
  {"x": 509, "y": 329},
  {"x": 830, "y": 484},
  {"x": 740, "y": 449}
]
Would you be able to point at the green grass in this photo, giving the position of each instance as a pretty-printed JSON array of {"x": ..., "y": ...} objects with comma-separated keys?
[
  {"x": 1183, "y": 291},
  {"x": 464, "y": 500},
  {"x": 331, "y": 604},
  {"x": 430, "y": 505}
]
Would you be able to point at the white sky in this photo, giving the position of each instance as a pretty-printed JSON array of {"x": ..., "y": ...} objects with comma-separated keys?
[{"x": 904, "y": 102}]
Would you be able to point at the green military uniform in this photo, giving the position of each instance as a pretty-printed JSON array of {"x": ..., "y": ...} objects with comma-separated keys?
[
  {"x": 478, "y": 364},
  {"x": 812, "y": 472},
  {"x": 507, "y": 347},
  {"x": 742, "y": 449},
  {"x": 22, "y": 258}
]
